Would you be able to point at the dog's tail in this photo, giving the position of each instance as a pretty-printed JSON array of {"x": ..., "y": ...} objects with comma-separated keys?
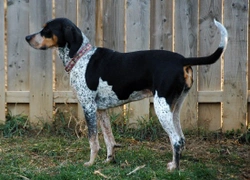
[{"x": 213, "y": 57}]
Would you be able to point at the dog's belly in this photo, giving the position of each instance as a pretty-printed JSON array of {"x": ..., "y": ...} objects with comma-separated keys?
[{"x": 106, "y": 97}]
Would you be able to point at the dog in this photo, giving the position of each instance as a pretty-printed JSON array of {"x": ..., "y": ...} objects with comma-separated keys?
[{"x": 104, "y": 78}]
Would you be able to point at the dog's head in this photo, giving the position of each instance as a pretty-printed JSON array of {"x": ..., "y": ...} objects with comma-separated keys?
[{"x": 57, "y": 33}]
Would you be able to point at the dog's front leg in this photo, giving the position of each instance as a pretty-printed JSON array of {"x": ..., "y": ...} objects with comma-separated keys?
[
  {"x": 107, "y": 134},
  {"x": 91, "y": 119}
]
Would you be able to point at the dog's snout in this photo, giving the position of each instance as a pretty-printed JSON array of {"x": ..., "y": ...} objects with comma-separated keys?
[{"x": 28, "y": 38}]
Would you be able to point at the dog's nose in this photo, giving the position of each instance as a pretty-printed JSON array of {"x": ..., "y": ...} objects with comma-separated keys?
[{"x": 28, "y": 38}]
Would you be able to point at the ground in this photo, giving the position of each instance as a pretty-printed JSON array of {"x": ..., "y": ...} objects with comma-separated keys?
[
  {"x": 59, "y": 150},
  {"x": 60, "y": 157}
]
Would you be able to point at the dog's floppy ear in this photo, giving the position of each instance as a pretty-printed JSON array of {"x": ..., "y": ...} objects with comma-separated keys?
[{"x": 73, "y": 37}]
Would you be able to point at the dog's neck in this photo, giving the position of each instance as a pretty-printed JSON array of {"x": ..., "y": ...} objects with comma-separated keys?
[{"x": 63, "y": 52}]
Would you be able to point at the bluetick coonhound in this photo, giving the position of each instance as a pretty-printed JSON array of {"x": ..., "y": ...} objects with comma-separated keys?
[{"x": 103, "y": 78}]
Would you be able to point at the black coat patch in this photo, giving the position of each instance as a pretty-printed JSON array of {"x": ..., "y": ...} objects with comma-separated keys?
[{"x": 129, "y": 72}]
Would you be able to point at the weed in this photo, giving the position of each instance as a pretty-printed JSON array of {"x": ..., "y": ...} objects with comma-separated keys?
[
  {"x": 15, "y": 125},
  {"x": 144, "y": 130},
  {"x": 245, "y": 137}
]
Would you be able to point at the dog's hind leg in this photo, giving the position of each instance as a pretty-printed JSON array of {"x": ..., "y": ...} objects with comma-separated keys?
[
  {"x": 177, "y": 123},
  {"x": 166, "y": 118},
  {"x": 107, "y": 134}
]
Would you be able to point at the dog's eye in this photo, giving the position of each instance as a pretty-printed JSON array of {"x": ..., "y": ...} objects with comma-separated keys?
[{"x": 46, "y": 30}]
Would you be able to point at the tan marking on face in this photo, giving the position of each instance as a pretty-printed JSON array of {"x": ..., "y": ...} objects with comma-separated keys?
[
  {"x": 188, "y": 75},
  {"x": 49, "y": 42}
]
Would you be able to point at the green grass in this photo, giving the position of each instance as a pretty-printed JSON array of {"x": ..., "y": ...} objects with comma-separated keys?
[
  {"x": 53, "y": 157},
  {"x": 58, "y": 154}
]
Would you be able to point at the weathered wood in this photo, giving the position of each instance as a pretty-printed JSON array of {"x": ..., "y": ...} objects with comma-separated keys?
[
  {"x": 130, "y": 25},
  {"x": 2, "y": 63},
  {"x": 113, "y": 25},
  {"x": 87, "y": 17},
  {"x": 209, "y": 76},
  {"x": 235, "y": 76},
  {"x": 17, "y": 97},
  {"x": 209, "y": 117},
  {"x": 68, "y": 9},
  {"x": 17, "y": 48},
  {"x": 161, "y": 25},
  {"x": 137, "y": 28},
  {"x": 185, "y": 29},
  {"x": 41, "y": 92},
  {"x": 87, "y": 23},
  {"x": 114, "y": 32},
  {"x": 65, "y": 97},
  {"x": 210, "y": 97},
  {"x": 209, "y": 39}
]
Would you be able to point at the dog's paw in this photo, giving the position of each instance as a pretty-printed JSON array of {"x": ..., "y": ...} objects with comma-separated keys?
[
  {"x": 110, "y": 159},
  {"x": 171, "y": 166},
  {"x": 87, "y": 164}
]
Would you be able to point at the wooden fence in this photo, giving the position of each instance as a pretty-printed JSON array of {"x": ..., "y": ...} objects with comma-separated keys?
[{"x": 34, "y": 82}]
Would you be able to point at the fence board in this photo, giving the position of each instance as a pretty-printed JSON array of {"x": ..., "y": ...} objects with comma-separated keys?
[
  {"x": 137, "y": 38},
  {"x": 41, "y": 92},
  {"x": 209, "y": 75},
  {"x": 2, "y": 63},
  {"x": 235, "y": 78},
  {"x": 161, "y": 25},
  {"x": 113, "y": 31},
  {"x": 17, "y": 56},
  {"x": 87, "y": 23},
  {"x": 186, "y": 16},
  {"x": 68, "y": 9},
  {"x": 87, "y": 18}
]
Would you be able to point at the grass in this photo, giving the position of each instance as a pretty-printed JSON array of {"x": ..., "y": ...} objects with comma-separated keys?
[{"x": 59, "y": 155}]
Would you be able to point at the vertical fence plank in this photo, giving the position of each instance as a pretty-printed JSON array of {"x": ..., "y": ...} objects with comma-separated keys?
[
  {"x": 161, "y": 29},
  {"x": 161, "y": 25},
  {"x": 113, "y": 25},
  {"x": 87, "y": 23},
  {"x": 137, "y": 38},
  {"x": 209, "y": 79},
  {"x": 2, "y": 64},
  {"x": 87, "y": 18},
  {"x": 113, "y": 32},
  {"x": 235, "y": 77},
  {"x": 17, "y": 48},
  {"x": 66, "y": 9},
  {"x": 41, "y": 92},
  {"x": 186, "y": 14}
]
